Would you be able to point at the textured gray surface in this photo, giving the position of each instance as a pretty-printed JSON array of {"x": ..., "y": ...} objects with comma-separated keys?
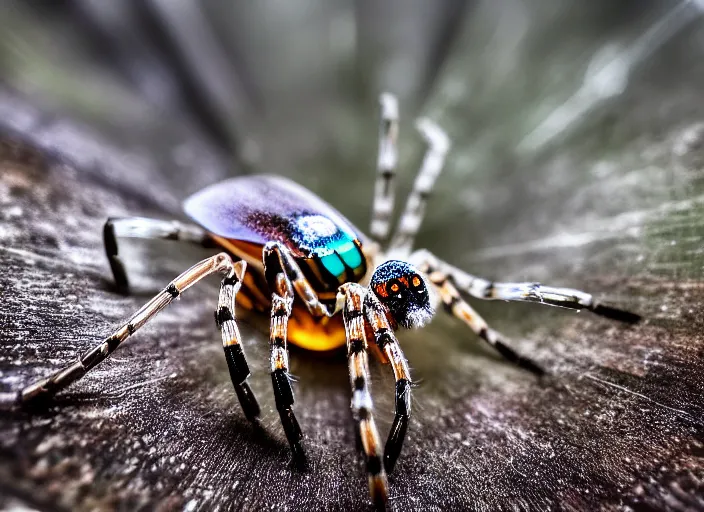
[{"x": 611, "y": 204}]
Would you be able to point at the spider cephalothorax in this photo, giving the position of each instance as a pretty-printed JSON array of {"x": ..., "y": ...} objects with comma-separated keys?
[{"x": 403, "y": 290}]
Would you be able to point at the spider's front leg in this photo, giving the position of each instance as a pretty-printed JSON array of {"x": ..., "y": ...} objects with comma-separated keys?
[
  {"x": 522, "y": 292},
  {"x": 386, "y": 341},
  {"x": 459, "y": 308},
  {"x": 445, "y": 277},
  {"x": 353, "y": 295},
  {"x": 221, "y": 263}
]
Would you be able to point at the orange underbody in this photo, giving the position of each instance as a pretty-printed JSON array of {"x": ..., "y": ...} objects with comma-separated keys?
[{"x": 319, "y": 334}]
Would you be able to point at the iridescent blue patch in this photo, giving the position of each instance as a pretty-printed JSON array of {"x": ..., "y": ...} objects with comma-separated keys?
[
  {"x": 335, "y": 247},
  {"x": 334, "y": 264}
]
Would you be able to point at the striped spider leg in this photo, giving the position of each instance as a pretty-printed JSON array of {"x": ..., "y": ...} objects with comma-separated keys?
[
  {"x": 385, "y": 339},
  {"x": 523, "y": 292},
  {"x": 352, "y": 296},
  {"x": 385, "y": 186},
  {"x": 142, "y": 227},
  {"x": 438, "y": 145},
  {"x": 448, "y": 279},
  {"x": 285, "y": 278},
  {"x": 225, "y": 316}
]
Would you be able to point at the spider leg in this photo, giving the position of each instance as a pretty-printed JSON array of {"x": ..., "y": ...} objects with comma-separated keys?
[
  {"x": 220, "y": 263},
  {"x": 141, "y": 227},
  {"x": 385, "y": 187},
  {"x": 353, "y": 296},
  {"x": 281, "y": 306},
  {"x": 293, "y": 273},
  {"x": 409, "y": 224},
  {"x": 524, "y": 292},
  {"x": 232, "y": 341},
  {"x": 386, "y": 340},
  {"x": 457, "y": 307}
]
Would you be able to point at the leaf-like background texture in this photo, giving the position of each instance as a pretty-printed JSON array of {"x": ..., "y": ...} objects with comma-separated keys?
[{"x": 577, "y": 160}]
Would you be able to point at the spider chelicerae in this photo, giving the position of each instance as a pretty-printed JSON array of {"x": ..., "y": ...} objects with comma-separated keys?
[{"x": 325, "y": 285}]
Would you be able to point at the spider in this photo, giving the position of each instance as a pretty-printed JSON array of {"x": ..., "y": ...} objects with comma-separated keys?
[{"x": 286, "y": 251}]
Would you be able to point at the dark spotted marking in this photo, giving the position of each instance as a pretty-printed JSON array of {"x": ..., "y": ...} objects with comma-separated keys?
[
  {"x": 363, "y": 414},
  {"x": 173, "y": 291},
  {"x": 383, "y": 337},
  {"x": 280, "y": 312},
  {"x": 374, "y": 465},
  {"x": 356, "y": 345},
  {"x": 359, "y": 383},
  {"x": 114, "y": 342},
  {"x": 452, "y": 302},
  {"x": 230, "y": 280},
  {"x": 222, "y": 315},
  {"x": 355, "y": 313}
]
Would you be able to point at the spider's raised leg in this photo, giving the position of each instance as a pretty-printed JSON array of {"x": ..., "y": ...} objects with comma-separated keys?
[
  {"x": 523, "y": 292},
  {"x": 385, "y": 187},
  {"x": 220, "y": 263},
  {"x": 433, "y": 161},
  {"x": 353, "y": 296},
  {"x": 141, "y": 227},
  {"x": 281, "y": 306},
  {"x": 386, "y": 341}
]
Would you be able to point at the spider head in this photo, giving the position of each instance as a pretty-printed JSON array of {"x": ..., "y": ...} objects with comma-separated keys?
[{"x": 404, "y": 291}]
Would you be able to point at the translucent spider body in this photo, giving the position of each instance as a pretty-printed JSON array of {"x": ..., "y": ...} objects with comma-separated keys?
[{"x": 324, "y": 285}]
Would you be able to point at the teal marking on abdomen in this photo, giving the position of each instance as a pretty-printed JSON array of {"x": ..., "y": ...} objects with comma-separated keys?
[
  {"x": 334, "y": 246},
  {"x": 352, "y": 257},
  {"x": 333, "y": 264}
]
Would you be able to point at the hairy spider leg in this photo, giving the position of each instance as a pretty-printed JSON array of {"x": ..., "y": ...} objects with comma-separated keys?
[
  {"x": 299, "y": 282},
  {"x": 353, "y": 296},
  {"x": 385, "y": 186},
  {"x": 282, "y": 294},
  {"x": 438, "y": 145},
  {"x": 232, "y": 341},
  {"x": 220, "y": 263},
  {"x": 523, "y": 292},
  {"x": 142, "y": 227},
  {"x": 459, "y": 308},
  {"x": 386, "y": 341}
]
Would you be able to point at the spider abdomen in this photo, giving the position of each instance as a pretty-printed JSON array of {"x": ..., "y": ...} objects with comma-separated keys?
[{"x": 245, "y": 213}]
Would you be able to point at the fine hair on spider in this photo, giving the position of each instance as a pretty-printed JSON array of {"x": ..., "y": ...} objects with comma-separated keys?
[{"x": 279, "y": 241}]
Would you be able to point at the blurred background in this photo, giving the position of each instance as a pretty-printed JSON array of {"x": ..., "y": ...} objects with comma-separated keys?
[
  {"x": 557, "y": 109},
  {"x": 578, "y": 146}
]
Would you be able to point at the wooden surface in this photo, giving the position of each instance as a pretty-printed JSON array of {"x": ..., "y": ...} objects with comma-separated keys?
[{"x": 611, "y": 205}]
